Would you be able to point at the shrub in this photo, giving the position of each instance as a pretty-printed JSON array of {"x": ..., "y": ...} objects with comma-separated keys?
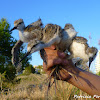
[
  {"x": 28, "y": 70},
  {"x": 98, "y": 73},
  {"x": 10, "y": 73},
  {"x": 40, "y": 70}
]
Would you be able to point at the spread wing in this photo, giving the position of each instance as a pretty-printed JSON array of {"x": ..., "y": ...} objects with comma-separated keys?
[
  {"x": 15, "y": 52},
  {"x": 35, "y": 25},
  {"x": 35, "y": 31}
]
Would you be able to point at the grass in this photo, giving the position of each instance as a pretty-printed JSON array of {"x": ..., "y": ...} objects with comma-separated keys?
[{"x": 33, "y": 87}]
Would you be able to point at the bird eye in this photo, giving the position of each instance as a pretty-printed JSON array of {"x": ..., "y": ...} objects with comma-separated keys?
[{"x": 19, "y": 23}]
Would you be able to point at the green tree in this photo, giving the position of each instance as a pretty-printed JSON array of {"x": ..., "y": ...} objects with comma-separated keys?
[
  {"x": 98, "y": 73},
  {"x": 6, "y": 44},
  {"x": 40, "y": 69},
  {"x": 2, "y": 78},
  {"x": 29, "y": 69},
  {"x": 25, "y": 62},
  {"x": 10, "y": 73}
]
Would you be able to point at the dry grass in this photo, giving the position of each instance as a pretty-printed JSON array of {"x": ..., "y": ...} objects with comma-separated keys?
[{"x": 33, "y": 87}]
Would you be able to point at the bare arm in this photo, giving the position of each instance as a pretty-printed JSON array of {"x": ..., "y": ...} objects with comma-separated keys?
[{"x": 88, "y": 82}]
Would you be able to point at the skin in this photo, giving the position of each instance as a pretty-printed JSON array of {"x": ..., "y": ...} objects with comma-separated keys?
[{"x": 86, "y": 81}]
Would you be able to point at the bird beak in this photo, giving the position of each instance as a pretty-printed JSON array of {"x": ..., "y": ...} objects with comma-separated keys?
[
  {"x": 90, "y": 61},
  {"x": 13, "y": 29}
]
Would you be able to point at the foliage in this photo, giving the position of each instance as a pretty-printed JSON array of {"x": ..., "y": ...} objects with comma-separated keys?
[
  {"x": 28, "y": 70},
  {"x": 2, "y": 78},
  {"x": 10, "y": 73},
  {"x": 33, "y": 87},
  {"x": 6, "y": 44},
  {"x": 98, "y": 73},
  {"x": 40, "y": 69},
  {"x": 25, "y": 62}
]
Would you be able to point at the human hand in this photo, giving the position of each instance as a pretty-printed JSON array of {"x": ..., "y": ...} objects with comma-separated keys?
[{"x": 55, "y": 57}]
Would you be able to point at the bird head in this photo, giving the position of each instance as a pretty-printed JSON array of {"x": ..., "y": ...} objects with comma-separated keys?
[
  {"x": 92, "y": 51},
  {"x": 68, "y": 26},
  {"x": 39, "y": 22},
  {"x": 18, "y": 24},
  {"x": 92, "y": 54},
  {"x": 70, "y": 30}
]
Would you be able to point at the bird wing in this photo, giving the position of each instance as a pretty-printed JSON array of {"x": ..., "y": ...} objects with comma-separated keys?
[
  {"x": 15, "y": 52},
  {"x": 37, "y": 23},
  {"x": 80, "y": 39},
  {"x": 34, "y": 25},
  {"x": 50, "y": 30},
  {"x": 35, "y": 32},
  {"x": 31, "y": 50},
  {"x": 31, "y": 28},
  {"x": 84, "y": 66}
]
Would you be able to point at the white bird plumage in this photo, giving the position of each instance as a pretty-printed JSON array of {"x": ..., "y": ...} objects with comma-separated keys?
[
  {"x": 30, "y": 32},
  {"x": 79, "y": 48},
  {"x": 26, "y": 34},
  {"x": 55, "y": 35},
  {"x": 64, "y": 39}
]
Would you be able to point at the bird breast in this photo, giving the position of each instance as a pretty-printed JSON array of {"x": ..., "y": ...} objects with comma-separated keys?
[
  {"x": 26, "y": 36},
  {"x": 78, "y": 50},
  {"x": 22, "y": 37},
  {"x": 71, "y": 33}
]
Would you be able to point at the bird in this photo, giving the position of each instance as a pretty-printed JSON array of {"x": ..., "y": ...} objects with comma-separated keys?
[
  {"x": 53, "y": 35},
  {"x": 15, "y": 52},
  {"x": 63, "y": 39},
  {"x": 26, "y": 34},
  {"x": 32, "y": 31},
  {"x": 68, "y": 34},
  {"x": 81, "y": 51},
  {"x": 78, "y": 47}
]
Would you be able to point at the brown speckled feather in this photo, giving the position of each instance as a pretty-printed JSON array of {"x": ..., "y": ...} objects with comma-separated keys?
[
  {"x": 67, "y": 26},
  {"x": 50, "y": 30},
  {"x": 80, "y": 39},
  {"x": 31, "y": 28}
]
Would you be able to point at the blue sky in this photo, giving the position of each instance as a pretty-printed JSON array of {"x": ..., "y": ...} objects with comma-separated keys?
[{"x": 83, "y": 14}]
